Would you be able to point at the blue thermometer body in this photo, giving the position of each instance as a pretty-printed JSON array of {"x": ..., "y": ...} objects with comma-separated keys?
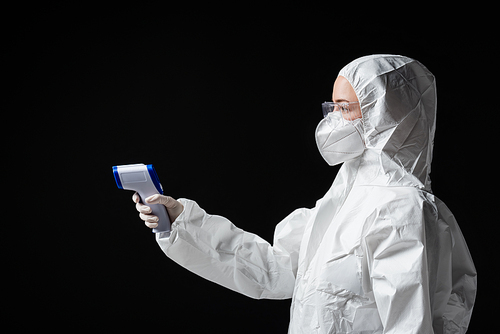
[{"x": 143, "y": 179}]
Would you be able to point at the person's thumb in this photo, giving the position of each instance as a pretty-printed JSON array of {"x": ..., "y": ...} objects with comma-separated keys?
[
  {"x": 160, "y": 199},
  {"x": 173, "y": 206}
]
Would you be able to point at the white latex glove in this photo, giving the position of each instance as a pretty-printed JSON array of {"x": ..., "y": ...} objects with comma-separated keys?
[{"x": 174, "y": 208}]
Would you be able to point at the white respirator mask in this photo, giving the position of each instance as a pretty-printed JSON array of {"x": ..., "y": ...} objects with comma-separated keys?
[{"x": 339, "y": 139}]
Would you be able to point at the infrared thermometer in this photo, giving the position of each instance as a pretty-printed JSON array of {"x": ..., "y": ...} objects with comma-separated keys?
[{"x": 143, "y": 179}]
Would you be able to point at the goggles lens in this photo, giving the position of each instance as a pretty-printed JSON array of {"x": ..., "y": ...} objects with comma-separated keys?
[{"x": 350, "y": 110}]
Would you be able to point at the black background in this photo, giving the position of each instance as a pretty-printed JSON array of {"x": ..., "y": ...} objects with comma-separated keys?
[{"x": 223, "y": 100}]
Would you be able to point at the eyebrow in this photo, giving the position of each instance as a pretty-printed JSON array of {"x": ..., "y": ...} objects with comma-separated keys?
[{"x": 341, "y": 100}]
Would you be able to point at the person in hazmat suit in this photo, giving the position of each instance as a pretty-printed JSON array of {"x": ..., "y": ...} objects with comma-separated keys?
[{"x": 379, "y": 253}]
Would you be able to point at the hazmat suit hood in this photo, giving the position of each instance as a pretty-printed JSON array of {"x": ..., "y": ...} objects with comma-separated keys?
[{"x": 397, "y": 96}]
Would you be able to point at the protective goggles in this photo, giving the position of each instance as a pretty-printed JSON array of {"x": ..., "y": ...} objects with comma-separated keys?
[{"x": 350, "y": 110}]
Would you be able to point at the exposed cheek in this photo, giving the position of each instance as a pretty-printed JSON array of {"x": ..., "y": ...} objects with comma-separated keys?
[
  {"x": 351, "y": 116},
  {"x": 357, "y": 114}
]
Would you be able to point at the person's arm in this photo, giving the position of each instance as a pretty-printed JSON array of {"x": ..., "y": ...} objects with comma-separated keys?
[
  {"x": 397, "y": 263},
  {"x": 215, "y": 249}
]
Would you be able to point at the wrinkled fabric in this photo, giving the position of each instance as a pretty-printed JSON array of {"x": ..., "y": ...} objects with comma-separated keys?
[{"x": 379, "y": 253}]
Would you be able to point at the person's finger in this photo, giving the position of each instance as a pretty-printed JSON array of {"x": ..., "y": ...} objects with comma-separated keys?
[
  {"x": 143, "y": 208},
  {"x": 136, "y": 198}
]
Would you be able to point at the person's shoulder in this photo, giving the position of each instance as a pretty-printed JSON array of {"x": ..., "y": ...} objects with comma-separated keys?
[
  {"x": 396, "y": 206},
  {"x": 392, "y": 195}
]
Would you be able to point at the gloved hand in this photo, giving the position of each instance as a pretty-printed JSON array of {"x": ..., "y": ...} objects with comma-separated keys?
[{"x": 174, "y": 208}]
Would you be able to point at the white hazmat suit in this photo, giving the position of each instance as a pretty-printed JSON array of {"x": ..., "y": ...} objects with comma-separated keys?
[{"x": 379, "y": 253}]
